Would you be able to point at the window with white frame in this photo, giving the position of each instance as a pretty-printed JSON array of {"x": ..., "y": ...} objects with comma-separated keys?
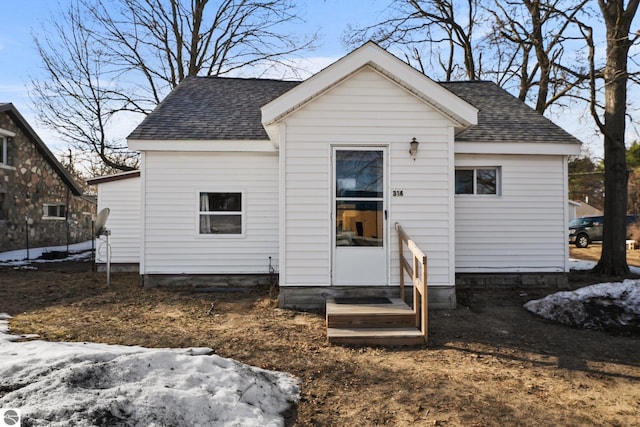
[
  {"x": 54, "y": 211},
  {"x": 220, "y": 213},
  {"x": 3, "y": 150},
  {"x": 478, "y": 181}
]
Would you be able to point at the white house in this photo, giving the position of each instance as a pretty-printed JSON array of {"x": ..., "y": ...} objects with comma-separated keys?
[
  {"x": 311, "y": 177},
  {"x": 121, "y": 194}
]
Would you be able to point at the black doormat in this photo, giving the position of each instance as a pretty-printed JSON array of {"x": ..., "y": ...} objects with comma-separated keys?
[{"x": 363, "y": 300}]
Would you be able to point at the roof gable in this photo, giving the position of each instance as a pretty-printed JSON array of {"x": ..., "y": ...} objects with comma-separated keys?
[
  {"x": 370, "y": 54},
  {"x": 21, "y": 122}
]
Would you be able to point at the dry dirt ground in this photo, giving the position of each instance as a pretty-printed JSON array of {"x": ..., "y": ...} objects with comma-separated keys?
[{"x": 488, "y": 363}]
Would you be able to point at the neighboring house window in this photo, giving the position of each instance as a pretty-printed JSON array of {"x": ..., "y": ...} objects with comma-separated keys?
[
  {"x": 3, "y": 150},
  {"x": 220, "y": 213},
  {"x": 478, "y": 181},
  {"x": 53, "y": 211}
]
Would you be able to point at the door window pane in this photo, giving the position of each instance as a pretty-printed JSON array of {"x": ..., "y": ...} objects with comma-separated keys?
[
  {"x": 359, "y": 173},
  {"x": 359, "y": 223}
]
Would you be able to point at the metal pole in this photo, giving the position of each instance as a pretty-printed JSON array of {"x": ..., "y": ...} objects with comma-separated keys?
[
  {"x": 26, "y": 228},
  {"x": 108, "y": 234},
  {"x": 93, "y": 246}
]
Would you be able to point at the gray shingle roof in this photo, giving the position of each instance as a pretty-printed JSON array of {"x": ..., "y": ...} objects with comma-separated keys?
[
  {"x": 503, "y": 117},
  {"x": 212, "y": 108},
  {"x": 220, "y": 108}
]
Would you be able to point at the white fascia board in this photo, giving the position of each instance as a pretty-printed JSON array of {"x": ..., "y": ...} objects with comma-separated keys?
[
  {"x": 202, "y": 145},
  {"x": 543, "y": 148},
  {"x": 273, "y": 130},
  {"x": 372, "y": 55}
]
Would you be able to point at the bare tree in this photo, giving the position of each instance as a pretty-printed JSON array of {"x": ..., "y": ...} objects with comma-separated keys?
[
  {"x": 444, "y": 27},
  {"x": 617, "y": 19},
  {"x": 519, "y": 44},
  {"x": 531, "y": 37},
  {"x": 78, "y": 99},
  {"x": 106, "y": 59}
]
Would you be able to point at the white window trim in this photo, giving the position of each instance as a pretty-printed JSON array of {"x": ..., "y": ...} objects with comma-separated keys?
[
  {"x": 3, "y": 150},
  {"x": 242, "y": 213},
  {"x": 45, "y": 211},
  {"x": 4, "y": 146},
  {"x": 498, "y": 170}
]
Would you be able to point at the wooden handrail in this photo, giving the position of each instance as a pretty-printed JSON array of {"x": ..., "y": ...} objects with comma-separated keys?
[{"x": 417, "y": 270}]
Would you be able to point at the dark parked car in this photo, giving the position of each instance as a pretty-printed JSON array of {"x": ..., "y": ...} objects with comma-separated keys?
[{"x": 587, "y": 229}]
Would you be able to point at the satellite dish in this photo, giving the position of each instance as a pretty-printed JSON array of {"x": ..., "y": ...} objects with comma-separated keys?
[{"x": 101, "y": 222}]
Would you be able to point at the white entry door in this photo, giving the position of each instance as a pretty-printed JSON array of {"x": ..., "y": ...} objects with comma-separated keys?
[{"x": 359, "y": 209}]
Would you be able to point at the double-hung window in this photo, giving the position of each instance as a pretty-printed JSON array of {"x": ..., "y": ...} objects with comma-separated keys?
[
  {"x": 221, "y": 213},
  {"x": 478, "y": 181},
  {"x": 54, "y": 211}
]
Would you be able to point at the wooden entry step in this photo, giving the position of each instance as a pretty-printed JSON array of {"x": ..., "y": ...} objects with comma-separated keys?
[
  {"x": 372, "y": 323},
  {"x": 396, "y": 313},
  {"x": 376, "y": 336}
]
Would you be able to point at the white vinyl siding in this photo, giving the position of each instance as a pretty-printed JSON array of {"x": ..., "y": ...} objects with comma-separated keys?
[
  {"x": 174, "y": 182},
  {"x": 521, "y": 230},
  {"x": 122, "y": 197},
  {"x": 368, "y": 110}
]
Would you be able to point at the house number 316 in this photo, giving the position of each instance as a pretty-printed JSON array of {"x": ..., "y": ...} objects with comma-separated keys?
[{"x": 398, "y": 193}]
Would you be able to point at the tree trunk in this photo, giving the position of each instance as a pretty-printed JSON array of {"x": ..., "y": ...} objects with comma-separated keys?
[{"x": 613, "y": 260}]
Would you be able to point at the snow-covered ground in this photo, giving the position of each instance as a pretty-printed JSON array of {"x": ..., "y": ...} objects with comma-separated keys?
[
  {"x": 605, "y": 306},
  {"x": 77, "y": 251},
  {"x": 87, "y": 384}
]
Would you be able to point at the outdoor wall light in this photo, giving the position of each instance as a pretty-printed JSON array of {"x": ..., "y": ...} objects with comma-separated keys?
[{"x": 413, "y": 151}]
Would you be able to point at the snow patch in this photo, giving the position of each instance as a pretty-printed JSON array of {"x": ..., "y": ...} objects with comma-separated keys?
[
  {"x": 86, "y": 384},
  {"x": 18, "y": 258},
  {"x": 613, "y": 307}
]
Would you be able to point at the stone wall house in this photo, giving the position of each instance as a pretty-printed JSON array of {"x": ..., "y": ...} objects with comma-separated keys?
[{"x": 40, "y": 202}]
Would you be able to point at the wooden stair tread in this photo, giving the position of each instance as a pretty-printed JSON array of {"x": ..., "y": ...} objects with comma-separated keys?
[
  {"x": 397, "y": 306},
  {"x": 376, "y": 336},
  {"x": 374, "y": 332}
]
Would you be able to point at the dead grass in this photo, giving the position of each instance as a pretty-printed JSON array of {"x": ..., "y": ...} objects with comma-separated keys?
[
  {"x": 488, "y": 363},
  {"x": 594, "y": 250}
]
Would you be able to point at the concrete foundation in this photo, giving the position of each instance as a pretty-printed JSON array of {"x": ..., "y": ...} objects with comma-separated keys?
[
  {"x": 119, "y": 268},
  {"x": 313, "y": 298},
  {"x": 493, "y": 280},
  {"x": 207, "y": 280}
]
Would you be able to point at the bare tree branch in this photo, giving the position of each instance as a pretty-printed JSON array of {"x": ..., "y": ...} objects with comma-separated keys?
[{"x": 107, "y": 58}]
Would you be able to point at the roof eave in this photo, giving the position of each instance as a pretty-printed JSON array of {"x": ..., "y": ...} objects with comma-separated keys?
[
  {"x": 559, "y": 148},
  {"x": 115, "y": 177},
  {"x": 239, "y": 145}
]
